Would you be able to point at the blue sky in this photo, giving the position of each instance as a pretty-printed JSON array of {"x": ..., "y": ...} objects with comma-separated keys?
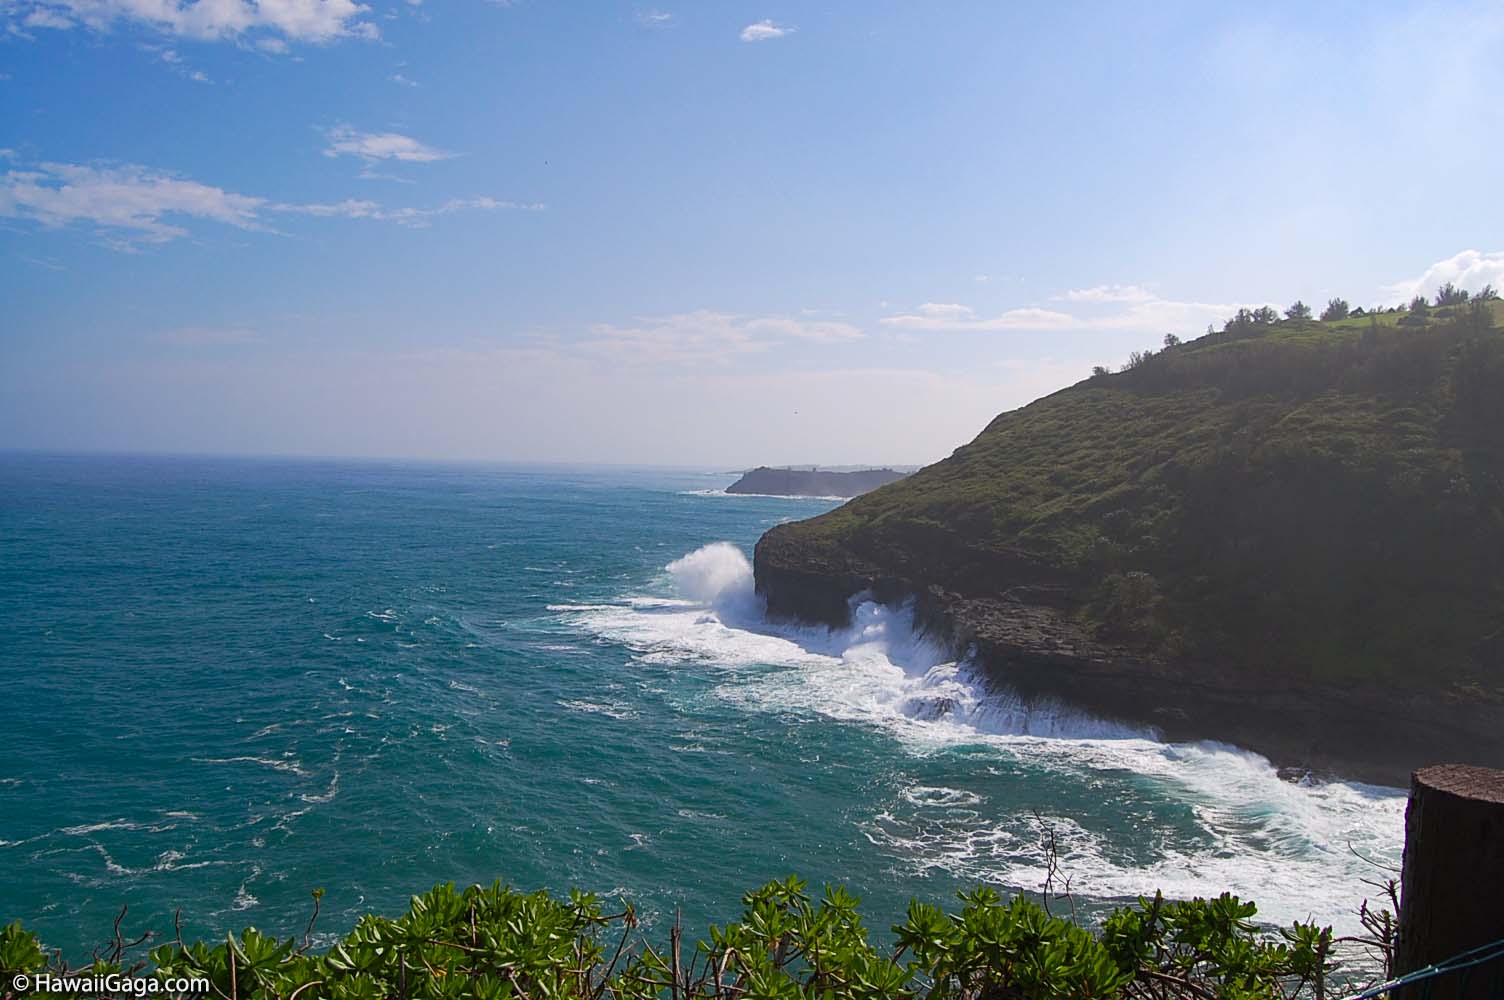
[{"x": 708, "y": 233}]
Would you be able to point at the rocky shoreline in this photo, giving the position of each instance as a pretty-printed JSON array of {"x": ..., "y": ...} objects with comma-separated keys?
[{"x": 1028, "y": 639}]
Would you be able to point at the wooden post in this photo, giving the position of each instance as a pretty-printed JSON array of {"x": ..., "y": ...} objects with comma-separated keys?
[{"x": 1452, "y": 889}]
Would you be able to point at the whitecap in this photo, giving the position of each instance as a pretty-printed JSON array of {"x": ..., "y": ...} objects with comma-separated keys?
[
  {"x": 290, "y": 765},
  {"x": 761, "y": 496},
  {"x": 327, "y": 795},
  {"x": 613, "y": 710},
  {"x": 1281, "y": 843}
]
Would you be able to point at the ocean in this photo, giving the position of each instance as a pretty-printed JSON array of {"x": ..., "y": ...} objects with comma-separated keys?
[{"x": 228, "y": 682}]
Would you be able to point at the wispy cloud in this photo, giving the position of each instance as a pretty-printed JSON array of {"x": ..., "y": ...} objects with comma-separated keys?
[
  {"x": 953, "y": 316},
  {"x": 373, "y": 146},
  {"x": 398, "y": 78},
  {"x": 172, "y": 58},
  {"x": 706, "y": 336},
  {"x": 655, "y": 18},
  {"x": 416, "y": 218},
  {"x": 1107, "y": 293},
  {"x": 45, "y": 17},
  {"x": 763, "y": 31},
  {"x": 292, "y": 20},
  {"x": 1128, "y": 308},
  {"x": 131, "y": 200},
  {"x": 132, "y": 205},
  {"x": 945, "y": 310},
  {"x": 1470, "y": 269}
]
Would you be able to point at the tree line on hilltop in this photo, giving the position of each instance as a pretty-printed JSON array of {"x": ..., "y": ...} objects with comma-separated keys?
[{"x": 1449, "y": 302}]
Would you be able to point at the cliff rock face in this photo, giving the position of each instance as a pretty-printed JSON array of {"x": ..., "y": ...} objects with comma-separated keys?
[
  {"x": 1288, "y": 538},
  {"x": 812, "y": 483}
]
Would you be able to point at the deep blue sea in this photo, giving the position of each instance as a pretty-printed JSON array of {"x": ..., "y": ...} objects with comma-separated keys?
[{"x": 228, "y": 682}]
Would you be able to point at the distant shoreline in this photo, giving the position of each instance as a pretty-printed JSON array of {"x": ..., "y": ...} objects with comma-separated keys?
[
  {"x": 767, "y": 481},
  {"x": 763, "y": 496}
]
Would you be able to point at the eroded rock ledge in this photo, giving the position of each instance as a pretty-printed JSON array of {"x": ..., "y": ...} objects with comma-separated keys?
[{"x": 1027, "y": 637}]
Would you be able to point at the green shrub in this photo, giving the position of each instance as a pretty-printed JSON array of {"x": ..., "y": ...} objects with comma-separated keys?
[{"x": 497, "y": 942}]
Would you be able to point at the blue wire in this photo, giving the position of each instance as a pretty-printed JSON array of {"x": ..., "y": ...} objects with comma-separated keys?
[{"x": 1453, "y": 964}]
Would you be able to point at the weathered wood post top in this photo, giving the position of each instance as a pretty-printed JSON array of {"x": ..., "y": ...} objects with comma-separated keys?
[{"x": 1452, "y": 888}]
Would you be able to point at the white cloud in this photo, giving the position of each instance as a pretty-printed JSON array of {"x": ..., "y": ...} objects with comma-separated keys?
[
  {"x": 43, "y": 17},
  {"x": 1159, "y": 315},
  {"x": 413, "y": 218},
  {"x": 1129, "y": 308},
  {"x": 763, "y": 31},
  {"x": 706, "y": 336},
  {"x": 404, "y": 81},
  {"x": 173, "y": 59},
  {"x": 350, "y": 208},
  {"x": 372, "y": 146},
  {"x": 945, "y": 310},
  {"x": 127, "y": 199},
  {"x": 950, "y": 316},
  {"x": 819, "y": 331},
  {"x": 655, "y": 18},
  {"x": 133, "y": 205},
  {"x": 293, "y": 20},
  {"x": 1107, "y": 293},
  {"x": 1470, "y": 270}
]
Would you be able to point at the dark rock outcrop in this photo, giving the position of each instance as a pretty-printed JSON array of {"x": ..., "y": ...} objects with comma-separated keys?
[
  {"x": 812, "y": 482},
  {"x": 1028, "y": 639}
]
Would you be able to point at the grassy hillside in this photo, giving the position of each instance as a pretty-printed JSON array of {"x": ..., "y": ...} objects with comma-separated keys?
[{"x": 1322, "y": 501}]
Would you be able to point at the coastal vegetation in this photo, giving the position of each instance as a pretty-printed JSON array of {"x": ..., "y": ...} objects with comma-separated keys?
[
  {"x": 1281, "y": 501},
  {"x": 503, "y": 944}
]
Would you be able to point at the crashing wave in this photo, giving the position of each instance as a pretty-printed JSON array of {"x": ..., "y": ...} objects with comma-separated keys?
[{"x": 1292, "y": 846}]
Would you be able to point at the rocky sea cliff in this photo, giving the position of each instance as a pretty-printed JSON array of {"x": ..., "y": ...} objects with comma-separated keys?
[{"x": 1289, "y": 538}]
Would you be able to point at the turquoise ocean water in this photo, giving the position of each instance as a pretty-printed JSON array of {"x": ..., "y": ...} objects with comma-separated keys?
[{"x": 228, "y": 682}]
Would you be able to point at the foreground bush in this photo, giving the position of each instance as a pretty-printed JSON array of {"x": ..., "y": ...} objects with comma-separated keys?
[{"x": 499, "y": 943}]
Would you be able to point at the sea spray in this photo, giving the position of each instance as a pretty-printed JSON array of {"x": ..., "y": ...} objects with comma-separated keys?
[
  {"x": 718, "y": 576},
  {"x": 1233, "y": 823}
]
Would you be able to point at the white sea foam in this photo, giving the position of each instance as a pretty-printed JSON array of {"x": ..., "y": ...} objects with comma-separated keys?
[
  {"x": 243, "y": 899},
  {"x": 84, "y": 829},
  {"x": 1290, "y": 846},
  {"x": 290, "y": 765},
  {"x": 763, "y": 496},
  {"x": 612, "y": 710},
  {"x": 716, "y": 576},
  {"x": 327, "y": 795}
]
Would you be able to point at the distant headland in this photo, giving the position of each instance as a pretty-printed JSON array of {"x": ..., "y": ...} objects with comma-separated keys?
[{"x": 812, "y": 482}]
